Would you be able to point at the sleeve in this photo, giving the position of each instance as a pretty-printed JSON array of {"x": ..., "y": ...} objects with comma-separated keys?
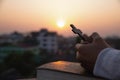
[{"x": 108, "y": 64}]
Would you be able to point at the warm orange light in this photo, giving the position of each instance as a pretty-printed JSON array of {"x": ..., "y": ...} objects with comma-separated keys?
[{"x": 59, "y": 62}]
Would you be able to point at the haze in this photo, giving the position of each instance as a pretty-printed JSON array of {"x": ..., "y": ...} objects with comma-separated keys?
[{"x": 101, "y": 16}]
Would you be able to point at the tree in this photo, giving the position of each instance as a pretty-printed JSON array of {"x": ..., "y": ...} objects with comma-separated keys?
[{"x": 23, "y": 63}]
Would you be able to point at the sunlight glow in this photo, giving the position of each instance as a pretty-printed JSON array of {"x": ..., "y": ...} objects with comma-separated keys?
[
  {"x": 60, "y": 23},
  {"x": 87, "y": 15}
]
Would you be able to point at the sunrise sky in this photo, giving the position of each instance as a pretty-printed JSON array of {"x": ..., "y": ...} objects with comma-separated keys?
[{"x": 102, "y": 16}]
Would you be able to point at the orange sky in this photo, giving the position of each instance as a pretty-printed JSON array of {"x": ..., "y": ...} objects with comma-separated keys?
[{"x": 102, "y": 16}]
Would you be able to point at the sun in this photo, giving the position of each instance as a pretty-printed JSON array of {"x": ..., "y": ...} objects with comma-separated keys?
[{"x": 60, "y": 23}]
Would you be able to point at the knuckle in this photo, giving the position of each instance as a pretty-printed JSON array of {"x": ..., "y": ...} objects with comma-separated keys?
[{"x": 77, "y": 46}]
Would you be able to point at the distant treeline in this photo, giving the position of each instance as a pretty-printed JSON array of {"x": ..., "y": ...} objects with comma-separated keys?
[{"x": 114, "y": 41}]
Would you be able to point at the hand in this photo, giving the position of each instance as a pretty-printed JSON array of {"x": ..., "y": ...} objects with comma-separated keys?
[{"x": 87, "y": 53}]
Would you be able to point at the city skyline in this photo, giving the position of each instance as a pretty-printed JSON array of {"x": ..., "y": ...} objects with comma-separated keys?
[{"x": 101, "y": 16}]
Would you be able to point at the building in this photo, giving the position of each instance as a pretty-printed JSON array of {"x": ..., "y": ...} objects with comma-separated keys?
[
  {"x": 16, "y": 37},
  {"x": 48, "y": 40},
  {"x": 11, "y": 38}
]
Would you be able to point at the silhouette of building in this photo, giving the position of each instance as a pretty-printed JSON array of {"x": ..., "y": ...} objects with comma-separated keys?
[
  {"x": 11, "y": 38},
  {"x": 48, "y": 40}
]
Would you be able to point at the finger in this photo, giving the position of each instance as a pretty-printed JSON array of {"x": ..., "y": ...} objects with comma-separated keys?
[
  {"x": 82, "y": 47},
  {"x": 79, "y": 57},
  {"x": 87, "y": 38},
  {"x": 84, "y": 42},
  {"x": 78, "y": 46},
  {"x": 96, "y": 37}
]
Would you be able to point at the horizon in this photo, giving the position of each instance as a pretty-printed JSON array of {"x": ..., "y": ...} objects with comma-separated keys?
[{"x": 100, "y": 16}]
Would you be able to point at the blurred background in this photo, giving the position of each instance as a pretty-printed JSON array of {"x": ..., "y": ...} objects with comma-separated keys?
[{"x": 35, "y": 32}]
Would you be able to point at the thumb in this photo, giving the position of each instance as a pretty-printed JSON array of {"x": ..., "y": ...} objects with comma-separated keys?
[{"x": 96, "y": 37}]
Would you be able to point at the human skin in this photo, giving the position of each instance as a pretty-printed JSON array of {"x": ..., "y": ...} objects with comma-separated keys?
[{"x": 88, "y": 51}]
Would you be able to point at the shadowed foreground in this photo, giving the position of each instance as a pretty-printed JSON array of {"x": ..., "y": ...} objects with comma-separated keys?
[{"x": 63, "y": 70}]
